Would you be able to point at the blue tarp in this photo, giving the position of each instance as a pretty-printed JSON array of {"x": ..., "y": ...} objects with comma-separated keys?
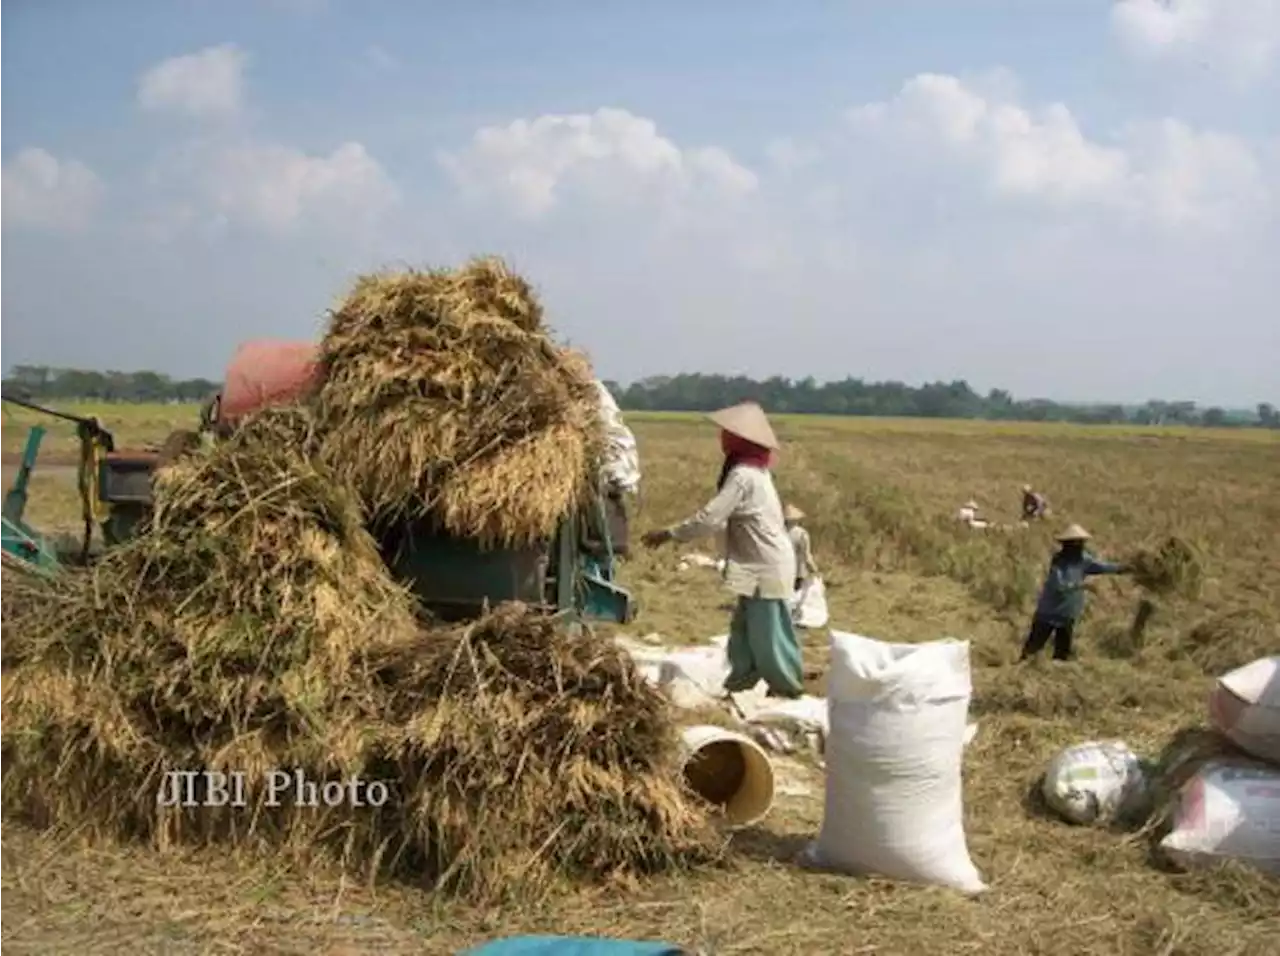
[{"x": 572, "y": 946}]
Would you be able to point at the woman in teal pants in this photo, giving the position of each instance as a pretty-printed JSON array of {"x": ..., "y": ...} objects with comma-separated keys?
[{"x": 760, "y": 559}]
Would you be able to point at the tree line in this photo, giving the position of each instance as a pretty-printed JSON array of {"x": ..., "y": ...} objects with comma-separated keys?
[{"x": 702, "y": 393}]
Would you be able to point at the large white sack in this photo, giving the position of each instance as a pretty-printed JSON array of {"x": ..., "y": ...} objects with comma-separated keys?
[
  {"x": 1245, "y": 706},
  {"x": 1229, "y": 810},
  {"x": 1095, "y": 782},
  {"x": 809, "y": 604},
  {"x": 898, "y": 721}
]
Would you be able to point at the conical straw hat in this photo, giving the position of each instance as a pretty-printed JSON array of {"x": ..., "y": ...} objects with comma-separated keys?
[
  {"x": 792, "y": 513},
  {"x": 1074, "y": 533},
  {"x": 971, "y": 504},
  {"x": 1026, "y": 489},
  {"x": 747, "y": 421}
]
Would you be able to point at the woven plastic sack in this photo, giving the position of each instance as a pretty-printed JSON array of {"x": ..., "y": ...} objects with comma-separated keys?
[
  {"x": 898, "y": 716},
  {"x": 1095, "y": 782},
  {"x": 809, "y": 605},
  {"x": 1230, "y": 810},
  {"x": 1245, "y": 707}
]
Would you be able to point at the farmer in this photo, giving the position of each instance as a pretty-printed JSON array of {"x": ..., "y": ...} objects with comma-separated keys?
[
  {"x": 1062, "y": 596},
  {"x": 968, "y": 515},
  {"x": 806, "y": 567},
  {"x": 760, "y": 566},
  {"x": 622, "y": 457},
  {"x": 1034, "y": 505}
]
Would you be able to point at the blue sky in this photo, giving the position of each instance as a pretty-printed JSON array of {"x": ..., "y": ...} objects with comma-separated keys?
[{"x": 1067, "y": 198}]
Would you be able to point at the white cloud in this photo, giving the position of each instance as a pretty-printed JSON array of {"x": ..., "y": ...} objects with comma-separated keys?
[
  {"x": 1241, "y": 38},
  {"x": 44, "y": 192},
  {"x": 788, "y": 155},
  {"x": 207, "y": 83},
  {"x": 609, "y": 155},
  {"x": 1163, "y": 171},
  {"x": 276, "y": 188}
]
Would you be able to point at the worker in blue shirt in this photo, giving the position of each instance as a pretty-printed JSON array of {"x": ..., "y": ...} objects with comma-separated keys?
[{"x": 1062, "y": 596}]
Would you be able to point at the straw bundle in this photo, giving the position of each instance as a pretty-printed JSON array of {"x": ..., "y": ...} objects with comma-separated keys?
[
  {"x": 1171, "y": 567},
  {"x": 218, "y": 640},
  {"x": 444, "y": 397},
  {"x": 535, "y": 753},
  {"x": 254, "y": 629}
]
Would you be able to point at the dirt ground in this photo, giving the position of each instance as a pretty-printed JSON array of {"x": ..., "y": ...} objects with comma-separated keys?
[{"x": 878, "y": 493}]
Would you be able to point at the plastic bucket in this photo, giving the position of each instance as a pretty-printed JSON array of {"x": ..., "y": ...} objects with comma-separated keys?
[{"x": 730, "y": 771}]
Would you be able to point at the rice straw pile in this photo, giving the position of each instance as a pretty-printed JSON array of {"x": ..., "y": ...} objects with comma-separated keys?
[
  {"x": 444, "y": 397},
  {"x": 255, "y": 628}
]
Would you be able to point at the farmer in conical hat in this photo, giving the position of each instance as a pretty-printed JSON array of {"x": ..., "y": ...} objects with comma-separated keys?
[
  {"x": 1062, "y": 596},
  {"x": 806, "y": 567},
  {"x": 760, "y": 563},
  {"x": 1034, "y": 504}
]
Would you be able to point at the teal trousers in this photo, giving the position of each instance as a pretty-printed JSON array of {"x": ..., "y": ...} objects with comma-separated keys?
[{"x": 763, "y": 646}]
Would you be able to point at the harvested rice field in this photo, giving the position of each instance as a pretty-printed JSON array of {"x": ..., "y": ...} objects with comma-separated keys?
[{"x": 879, "y": 495}]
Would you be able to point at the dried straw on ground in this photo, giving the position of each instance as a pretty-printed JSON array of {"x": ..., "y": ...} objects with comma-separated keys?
[
  {"x": 1225, "y": 640},
  {"x": 444, "y": 396},
  {"x": 255, "y": 628}
]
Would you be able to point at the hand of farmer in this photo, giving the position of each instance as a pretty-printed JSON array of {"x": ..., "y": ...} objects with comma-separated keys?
[{"x": 654, "y": 539}]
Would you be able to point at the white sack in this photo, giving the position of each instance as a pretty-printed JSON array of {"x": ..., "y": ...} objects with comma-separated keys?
[
  {"x": 809, "y": 604},
  {"x": 898, "y": 722},
  {"x": 1229, "y": 810},
  {"x": 1095, "y": 782},
  {"x": 1245, "y": 707}
]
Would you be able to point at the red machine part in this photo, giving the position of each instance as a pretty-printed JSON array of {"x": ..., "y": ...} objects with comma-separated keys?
[{"x": 267, "y": 372}]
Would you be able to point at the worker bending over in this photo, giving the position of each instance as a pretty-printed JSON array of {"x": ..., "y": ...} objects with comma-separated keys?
[
  {"x": 1034, "y": 505},
  {"x": 1062, "y": 596},
  {"x": 968, "y": 515},
  {"x": 760, "y": 564},
  {"x": 806, "y": 568}
]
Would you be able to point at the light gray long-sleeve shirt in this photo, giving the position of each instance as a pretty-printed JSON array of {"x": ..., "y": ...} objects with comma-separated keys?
[{"x": 760, "y": 560}]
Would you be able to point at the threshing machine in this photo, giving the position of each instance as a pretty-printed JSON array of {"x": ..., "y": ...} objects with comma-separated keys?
[{"x": 455, "y": 578}]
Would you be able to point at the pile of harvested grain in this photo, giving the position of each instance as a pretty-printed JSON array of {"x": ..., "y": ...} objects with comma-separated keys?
[
  {"x": 212, "y": 642},
  {"x": 1172, "y": 567},
  {"x": 537, "y": 752},
  {"x": 255, "y": 629},
  {"x": 444, "y": 396}
]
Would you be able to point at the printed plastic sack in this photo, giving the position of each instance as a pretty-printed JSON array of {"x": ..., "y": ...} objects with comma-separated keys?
[
  {"x": 1229, "y": 810},
  {"x": 809, "y": 605},
  {"x": 1095, "y": 782},
  {"x": 1245, "y": 707},
  {"x": 898, "y": 720}
]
